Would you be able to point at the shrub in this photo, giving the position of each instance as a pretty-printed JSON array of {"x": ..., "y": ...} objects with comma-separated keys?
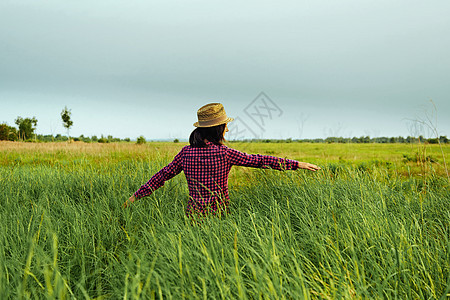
[
  {"x": 140, "y": 140},
  {"x": 103, "y": 140},
  {"x": 4, "y": 132}
]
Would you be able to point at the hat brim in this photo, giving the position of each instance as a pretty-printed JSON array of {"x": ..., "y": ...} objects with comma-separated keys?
[{"x": 227, "y": 120}]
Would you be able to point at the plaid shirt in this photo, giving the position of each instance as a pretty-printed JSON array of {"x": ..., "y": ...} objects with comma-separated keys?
[{"x": 206, "y": 170}]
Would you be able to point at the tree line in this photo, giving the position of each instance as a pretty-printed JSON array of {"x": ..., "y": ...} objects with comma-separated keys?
[
  {"x": 356, "y": 140},
  {"x": 26, "y": 127},
  {"x": 25, "y": 133}
]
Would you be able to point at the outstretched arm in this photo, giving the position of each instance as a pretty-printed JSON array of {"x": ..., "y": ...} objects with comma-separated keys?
[
  {"x": 157, "y": 180},
  {"x": 239, "y": 158}
]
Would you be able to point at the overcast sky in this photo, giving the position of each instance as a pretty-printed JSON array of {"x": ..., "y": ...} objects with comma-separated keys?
[{"x": 131, "y": 68}]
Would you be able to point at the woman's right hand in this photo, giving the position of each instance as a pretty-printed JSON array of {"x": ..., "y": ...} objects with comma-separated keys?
[{"x": 308, "y": 166}]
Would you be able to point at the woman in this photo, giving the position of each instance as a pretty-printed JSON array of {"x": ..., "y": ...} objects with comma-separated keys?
[{"x": 206, "y": 163}]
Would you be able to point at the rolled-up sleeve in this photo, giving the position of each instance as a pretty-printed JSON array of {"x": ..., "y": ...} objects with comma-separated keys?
[
  {"x": 160, "y": 177},
  {"x": 239, "y": 158}
]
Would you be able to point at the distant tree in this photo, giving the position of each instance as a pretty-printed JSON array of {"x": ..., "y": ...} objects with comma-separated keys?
[
  {"x": 85, "y": 139},
  {"x": 61, "y": 138},
  {"x": 410, "y": 139},
  {"x": 443, "y": 139},
  {"x": 421, "y": 139},
  {"x": 67, "y": 122},
  {"x": 176, "y": 140},
  {"x": 13, "y": 135},
  {"x": 103, "y": 140},
  {"x": 140, "y": 140},
  {"x": 45, "y": 138},
  {"x": 4, "y": 132},
  {"x": 26, "y": 126}
]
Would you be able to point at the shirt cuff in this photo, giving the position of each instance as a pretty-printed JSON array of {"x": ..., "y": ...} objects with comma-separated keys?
[{"x": 137, "y": 196}]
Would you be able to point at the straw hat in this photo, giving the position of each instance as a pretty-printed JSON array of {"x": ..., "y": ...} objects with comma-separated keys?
[{"x": 212, "y": 114}]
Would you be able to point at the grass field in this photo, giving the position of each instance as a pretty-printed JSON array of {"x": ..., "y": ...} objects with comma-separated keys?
[{"x": 374, "y": 223}]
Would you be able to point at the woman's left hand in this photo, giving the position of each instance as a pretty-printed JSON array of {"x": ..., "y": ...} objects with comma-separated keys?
[
  {"x": 308, "y": 166},
  {"x": 129, "y": 201}
]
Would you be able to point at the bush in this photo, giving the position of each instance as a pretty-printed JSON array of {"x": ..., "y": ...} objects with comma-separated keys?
[
  {"x": 7, "y": 133},
  {"x": 140, "y": 140},
  {"x": 103, "y": 140}
]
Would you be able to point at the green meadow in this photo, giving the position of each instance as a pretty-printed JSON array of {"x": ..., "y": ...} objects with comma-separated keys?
[{"x": 373, "y": 223}]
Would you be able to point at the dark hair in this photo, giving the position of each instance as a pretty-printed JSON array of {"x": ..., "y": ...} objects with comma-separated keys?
[{"x": 213, "y": 134}]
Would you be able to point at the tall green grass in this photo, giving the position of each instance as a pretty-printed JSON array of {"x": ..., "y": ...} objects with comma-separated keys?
[{"x": 338, "y": 233}]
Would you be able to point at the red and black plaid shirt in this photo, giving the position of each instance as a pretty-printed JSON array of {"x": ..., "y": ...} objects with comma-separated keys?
[{"x": 206, "y": 170}]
